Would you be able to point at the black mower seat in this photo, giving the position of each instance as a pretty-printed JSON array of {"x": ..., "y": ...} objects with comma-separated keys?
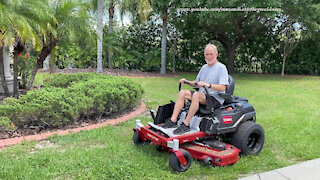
[{"x": 230, "y": 87}]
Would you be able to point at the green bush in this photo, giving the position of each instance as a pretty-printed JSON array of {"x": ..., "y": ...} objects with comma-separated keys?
[
  {"x": 68, "y": 98},
  {"x": 64, "y": 80},
  {"x": 5, "y": 124}
]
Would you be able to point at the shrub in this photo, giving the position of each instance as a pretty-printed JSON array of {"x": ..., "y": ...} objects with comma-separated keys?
[
  {"x": 64, "y": 80},
  {"x": 68, "y": 98},
  {"x": 5, "y": 124}
]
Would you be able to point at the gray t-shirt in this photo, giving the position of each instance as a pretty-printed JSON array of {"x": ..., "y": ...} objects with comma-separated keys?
[{"x": 216, "y": 74}]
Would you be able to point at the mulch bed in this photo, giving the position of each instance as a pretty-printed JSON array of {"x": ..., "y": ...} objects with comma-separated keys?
[
  {"x": 83, "y": 122},
  {"x": 114, "y": 72}
]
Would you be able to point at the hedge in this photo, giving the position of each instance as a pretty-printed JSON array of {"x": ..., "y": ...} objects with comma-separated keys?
[{"x": 65, "y": 99}]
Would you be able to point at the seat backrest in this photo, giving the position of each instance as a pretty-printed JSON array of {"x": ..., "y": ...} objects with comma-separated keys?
[{"x": 230, "y": 87}]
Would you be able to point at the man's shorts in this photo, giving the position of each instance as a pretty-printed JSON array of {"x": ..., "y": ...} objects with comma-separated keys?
[{"x": 214, "y": 101}]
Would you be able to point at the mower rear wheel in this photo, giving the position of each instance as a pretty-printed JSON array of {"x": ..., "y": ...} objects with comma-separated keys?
[
  {"x": 175, "y": 164},
  {"x": 136, "y": 138},
  {"x": 249, "y": 138}
]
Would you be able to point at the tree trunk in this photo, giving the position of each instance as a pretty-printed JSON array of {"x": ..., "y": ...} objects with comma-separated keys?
[
  {"x": 52, "y": 62},
  {"x": 34, "y": 72},
  {"x": 174, "y": 61},
  {"x": 15, "y": 75},
  {"x": 231, "y": 54},
  {"x": 46, "y": 50},
  {"x": 23, "y": 81},
  {"x": 100, "y": 36},
  {"x": 2, "y": 74},
  {"x": 174, "y": 53},
  {"x": 164, "y": 42},
  {"x": 18, "y": 48},
  {"x": 110, "y": 31},
  {"x": 288, "y": 47},
  {"x": 23, "y": 75},
  {"x": 283, "y": 64}
]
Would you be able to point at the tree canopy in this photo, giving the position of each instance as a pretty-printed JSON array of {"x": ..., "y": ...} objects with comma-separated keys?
[{"x": 164, "y": 36}]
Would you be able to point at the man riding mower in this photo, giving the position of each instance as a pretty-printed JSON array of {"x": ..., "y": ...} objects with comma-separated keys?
[{"x": 217, "y": 134}]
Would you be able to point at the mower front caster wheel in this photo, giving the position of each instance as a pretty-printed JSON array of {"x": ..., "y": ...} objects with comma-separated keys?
[
  {"x": 208, "y": 161},
  {"x": 159, "y": 148},
  {"x": 175, "y": 164},
  {"x": 136, "y": 138}
]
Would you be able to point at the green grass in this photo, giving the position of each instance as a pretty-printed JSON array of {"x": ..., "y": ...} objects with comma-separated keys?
[
  {"x": 287, "y": 108},
  {"x": 40, "y": 77}
]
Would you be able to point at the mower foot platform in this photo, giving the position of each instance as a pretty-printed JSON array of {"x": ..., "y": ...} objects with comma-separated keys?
[{"x": 168, "y": 131}]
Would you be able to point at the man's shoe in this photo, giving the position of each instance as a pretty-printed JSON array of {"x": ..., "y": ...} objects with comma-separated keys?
[
  {"x": 182, "y": 129},
  {"x": 170, "y": 124}
]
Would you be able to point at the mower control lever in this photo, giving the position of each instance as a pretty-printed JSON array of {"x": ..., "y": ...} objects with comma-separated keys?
[
  {"x": 186, "y": 82},
  {"x": 152, "y": 114}
]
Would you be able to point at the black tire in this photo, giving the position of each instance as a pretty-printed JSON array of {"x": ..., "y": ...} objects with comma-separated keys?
[
  {"x": 136, "y": 138},
  {"x": 160, "y": 148},
  {"x": 208, "y": 161},
  {"x": 249, "y": 138},
  {"x": 176, "y": 165}
]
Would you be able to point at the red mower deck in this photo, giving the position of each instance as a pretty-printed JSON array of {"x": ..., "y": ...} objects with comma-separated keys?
[
  {"x": 211, "y": 155},
  {"x": 208, "y": 155}
]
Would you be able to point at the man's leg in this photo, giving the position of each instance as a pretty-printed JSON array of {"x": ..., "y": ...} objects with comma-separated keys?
[
  {"x": 197, "y": 98},
  {"x": 183, "y": 94},
  {"x": 172, "y": 122}
]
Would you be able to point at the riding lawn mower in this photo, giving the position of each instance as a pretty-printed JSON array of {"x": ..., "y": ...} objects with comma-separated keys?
[{"x": 217, "y": 135}]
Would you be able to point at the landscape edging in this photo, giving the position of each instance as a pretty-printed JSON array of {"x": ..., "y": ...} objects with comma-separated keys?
[{"x": 43, "y": 136}]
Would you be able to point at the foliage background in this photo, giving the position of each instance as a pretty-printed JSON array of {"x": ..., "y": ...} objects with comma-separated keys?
[{"x": 137, "y": 45}]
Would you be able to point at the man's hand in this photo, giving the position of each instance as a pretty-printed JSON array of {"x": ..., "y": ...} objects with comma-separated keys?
[
  {"x": 182, "y": 80},
  {"x": 201, "y": 84}
]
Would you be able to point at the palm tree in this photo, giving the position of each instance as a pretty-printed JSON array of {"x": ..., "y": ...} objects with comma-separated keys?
[
  {"x": 141, "y": 7},
  {"x": 111, "y": 43},
  {"x": 18, "y": 48},
  {"x": 71, "y": 19},
  {"x": 100, "y": 35},
  {"x": 164, "y": 16},
  {"x": 162, "y": 8},
  {"x": 2, "y": 75},
  {"x": 111, "y": 6},
  {"x": 29, "y": 14}
]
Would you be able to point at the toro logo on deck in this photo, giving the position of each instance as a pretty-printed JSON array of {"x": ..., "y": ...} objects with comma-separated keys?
[{"x": 227, "y": 119}]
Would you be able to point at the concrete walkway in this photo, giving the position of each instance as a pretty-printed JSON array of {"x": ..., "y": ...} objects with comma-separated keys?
[{"x": 309, "y": 170}]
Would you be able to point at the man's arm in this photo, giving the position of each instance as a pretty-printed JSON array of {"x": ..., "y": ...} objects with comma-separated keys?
[
  {"x": 217, "y": 87},
  {"x": 191, "y": 83}
]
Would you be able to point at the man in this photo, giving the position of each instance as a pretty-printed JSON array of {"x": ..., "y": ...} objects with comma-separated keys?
[{"x": 213, "y": 75}]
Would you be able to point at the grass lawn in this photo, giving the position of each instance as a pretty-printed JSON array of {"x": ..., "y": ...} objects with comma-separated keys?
[{"x": 287, "y": 108}]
